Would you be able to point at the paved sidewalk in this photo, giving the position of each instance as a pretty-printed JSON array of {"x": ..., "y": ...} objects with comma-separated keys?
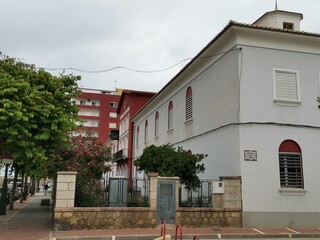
[{"x": 31, "y": 221}]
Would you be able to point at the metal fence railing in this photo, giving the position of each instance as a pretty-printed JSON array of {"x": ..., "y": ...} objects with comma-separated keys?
[
  {"x": 123, "y": 192},
  {"x": 90, "y": 192},
  {"x": 114, "y": 192},
  {"x": 127, "y": 192},
  {"x": 199, "y": 197}
]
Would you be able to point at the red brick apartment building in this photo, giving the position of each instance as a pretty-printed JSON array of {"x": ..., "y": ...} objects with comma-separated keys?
[
  {"x": 131, "y": 101},
  {"x": 98, "y": 110}
]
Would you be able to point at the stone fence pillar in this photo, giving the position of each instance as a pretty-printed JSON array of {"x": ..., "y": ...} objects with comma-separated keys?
[
  {"x": 66, "y": 185},
  {"x": 153, "y": 190},
  {"x": 228, "y": 195}
]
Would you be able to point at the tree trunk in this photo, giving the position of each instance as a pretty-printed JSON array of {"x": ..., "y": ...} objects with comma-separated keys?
[
  {"x": 14, "y": 187},
  {"x": 3, "y": 200},
  {"x": 22, "y": 186}
]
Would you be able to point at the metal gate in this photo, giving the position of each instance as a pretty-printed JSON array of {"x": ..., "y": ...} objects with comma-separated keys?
[
  {"x": 166, "y": 199},
  {"x": 118, "y": 192}
]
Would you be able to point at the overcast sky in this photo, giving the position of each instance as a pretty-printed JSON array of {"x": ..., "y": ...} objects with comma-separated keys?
[{"x": 142, "y": 35}]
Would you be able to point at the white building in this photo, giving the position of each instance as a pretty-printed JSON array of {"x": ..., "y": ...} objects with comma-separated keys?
[{"x": 249, "y": 100}]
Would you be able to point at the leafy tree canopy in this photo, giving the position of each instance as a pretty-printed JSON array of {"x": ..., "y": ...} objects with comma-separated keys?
[
  {"x": 169, "y": 162},
  {"x": 37, "y": 109}
]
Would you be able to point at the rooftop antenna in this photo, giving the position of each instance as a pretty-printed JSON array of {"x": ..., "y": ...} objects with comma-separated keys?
[{"x": 276, "y": 5}]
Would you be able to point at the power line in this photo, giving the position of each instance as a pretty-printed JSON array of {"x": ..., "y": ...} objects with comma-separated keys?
[
  {"x": 116, "y": 68},
  {"x": 127, "y": 68}
]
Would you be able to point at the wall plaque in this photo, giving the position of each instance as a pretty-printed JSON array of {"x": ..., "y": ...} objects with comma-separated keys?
[{"x": 250, "y": 155}]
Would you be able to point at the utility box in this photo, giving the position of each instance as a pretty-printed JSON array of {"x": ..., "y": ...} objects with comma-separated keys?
[{"x": 217, "y": 187}]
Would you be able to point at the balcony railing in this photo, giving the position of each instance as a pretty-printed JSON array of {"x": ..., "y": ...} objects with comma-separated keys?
[{"x": 122, "y": 154}]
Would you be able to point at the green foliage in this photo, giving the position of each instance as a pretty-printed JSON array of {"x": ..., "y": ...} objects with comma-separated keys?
[
  {"x": 169, "y": 162},
  {"x": 89, "y": 193},
  {"x": 37, "y": 110},
  {"x": 137, "y": 201},
  {"x": 198, "y": 201}
]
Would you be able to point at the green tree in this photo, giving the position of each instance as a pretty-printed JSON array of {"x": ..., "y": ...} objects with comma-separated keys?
[
  {"x": 169, "y": 162},
  {"x": 37, "y": 111}
]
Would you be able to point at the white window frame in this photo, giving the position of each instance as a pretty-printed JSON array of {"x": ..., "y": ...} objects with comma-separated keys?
[
  {"x": 156, "y": 124},
  {"x": 189, "y": 105},
  {"x": 137, "y": 137},
  {"x": 146, "y": 127},
  {"x": 114, "y": 104},
  {"x": 113, "y": 115},
  {"x": 283, "y": 100},
  {"x": 170, "y": 116}
]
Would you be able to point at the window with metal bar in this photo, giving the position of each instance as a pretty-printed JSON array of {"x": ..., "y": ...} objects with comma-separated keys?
[
  {"x": 189, "y": 103},
  {"x": 156, "y": 125},
  {"x": 290, "y": 170},
  {"x": 146, "y": 131},
  {"x": 170, "y": 115},
  {"x": 290, "y": 165},
  {"x": 137, "y": 137}
]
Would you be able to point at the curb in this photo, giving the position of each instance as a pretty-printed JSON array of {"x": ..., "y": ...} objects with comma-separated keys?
[{"x": 200, "y": 236}]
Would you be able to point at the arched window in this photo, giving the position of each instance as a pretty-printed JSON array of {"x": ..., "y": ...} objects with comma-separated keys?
[
  {"x": 189, "y": 103},
  {"x": 137, "y": 139},
  {"x": 156, "y": 125},
  {"x": 170, "y": 115},
  {"x": 290, "y": 163},
  {"x": 146, "y": 131}
]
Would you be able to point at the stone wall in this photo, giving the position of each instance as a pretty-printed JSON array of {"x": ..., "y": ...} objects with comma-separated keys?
[
  {"x": 104, "y": 218},
  {"x": 208, "y": 217},
  {"x": 130, "y": 218},
  {"x": 226, "y": 209}
]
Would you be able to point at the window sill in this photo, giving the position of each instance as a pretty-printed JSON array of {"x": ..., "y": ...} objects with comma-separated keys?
[
  {"x": 170, "y": 131},
  {"x": 288, "y": 103},
  {"x": 188, "y": 122},
  {"x": 293, "y": 191}
]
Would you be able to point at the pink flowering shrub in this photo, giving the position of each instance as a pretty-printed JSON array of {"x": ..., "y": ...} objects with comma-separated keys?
[{"x": 88, "y": 156}]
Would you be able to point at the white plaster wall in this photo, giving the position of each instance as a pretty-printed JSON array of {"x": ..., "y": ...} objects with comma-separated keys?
[
  {"x": 261, "y": 179},
  {"x": 222, "y": 148},
  {"x": 257, "y": 103},
  {"x": 277, "y": 19},
  {"x": 215, "y": 104}
]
